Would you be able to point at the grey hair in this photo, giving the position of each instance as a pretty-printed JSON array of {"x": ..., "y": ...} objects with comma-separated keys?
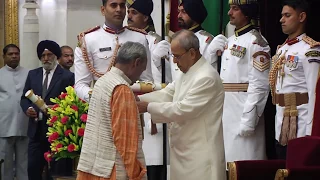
[
  {"x": 187, "y": 39},
  {"x": 131, "y": 51}
]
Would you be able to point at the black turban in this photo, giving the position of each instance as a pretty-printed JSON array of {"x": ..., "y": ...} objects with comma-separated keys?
[
  {"x": 145, "y": 7},
  {"x": 249, "y": 8},
  {"x": 51, "y": 46},
  {"x": 195, "y": 9}
]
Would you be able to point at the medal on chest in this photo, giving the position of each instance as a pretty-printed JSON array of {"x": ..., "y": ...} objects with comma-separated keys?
[
  {"x": 292, "y": 62},
  {"x": 238, "y": 51}
]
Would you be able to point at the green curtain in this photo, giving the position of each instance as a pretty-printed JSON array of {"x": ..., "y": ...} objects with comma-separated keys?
[{"x": 212, "y": 22}]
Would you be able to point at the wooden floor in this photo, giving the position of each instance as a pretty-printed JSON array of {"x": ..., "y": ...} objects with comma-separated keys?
[{"x": 65, "y": 178}]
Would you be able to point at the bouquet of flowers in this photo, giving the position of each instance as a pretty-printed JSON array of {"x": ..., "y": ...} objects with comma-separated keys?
[{"x": 66, "y": 125}]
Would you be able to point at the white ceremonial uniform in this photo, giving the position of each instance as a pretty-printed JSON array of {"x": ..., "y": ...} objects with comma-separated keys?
[
  {"x": 193, "y": 103},
  {"x": 153, "y": 144},
  {"x": 298, "y": 75},
  {"x": 229, "y": 31},
  {"x": 156, "y": 45},
  {"x": 205, "y": 39},
  {"x": 100, "y": 45},
  {"x": 13, "y": 123},
  {"x": 245, "y": 67}
]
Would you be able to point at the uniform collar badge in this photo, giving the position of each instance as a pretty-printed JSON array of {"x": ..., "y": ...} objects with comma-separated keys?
[
  {"x": 292, "y": 41},
  {"x": 112, "y": 31}
]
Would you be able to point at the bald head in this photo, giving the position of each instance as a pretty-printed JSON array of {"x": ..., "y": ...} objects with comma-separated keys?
[{"x": 187, "y": 39}]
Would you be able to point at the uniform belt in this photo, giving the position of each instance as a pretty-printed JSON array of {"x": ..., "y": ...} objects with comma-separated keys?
[
  {"x": 300, "y": 98},
  {"x": 235, "y": 87}
]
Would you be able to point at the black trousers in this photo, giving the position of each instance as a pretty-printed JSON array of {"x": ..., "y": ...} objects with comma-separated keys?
[
  {"x": 156, "y": 172},
  {"x": 36, "y": 161},
  {"x": 281, "y": 151}
]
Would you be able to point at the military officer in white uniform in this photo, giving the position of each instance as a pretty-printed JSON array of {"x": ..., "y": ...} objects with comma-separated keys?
[
  {"x": 293, "y": 77},
  {"x": 98, "y": 47},
  {"x": 244, "y": 71},
  {"x": 139, "y": 16},
  {"x": 191, "y": 15},
  {"x": 139, "y": 12}
]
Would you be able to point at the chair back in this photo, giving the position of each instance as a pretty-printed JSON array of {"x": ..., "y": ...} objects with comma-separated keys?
[{"x": 303, "y": 152}]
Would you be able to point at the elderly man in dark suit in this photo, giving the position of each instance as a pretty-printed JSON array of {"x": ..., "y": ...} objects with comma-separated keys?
[{"x": 48, "y": 82}]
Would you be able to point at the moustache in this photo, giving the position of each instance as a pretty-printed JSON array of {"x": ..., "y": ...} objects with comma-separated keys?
[{"x": 180, "y": 19}]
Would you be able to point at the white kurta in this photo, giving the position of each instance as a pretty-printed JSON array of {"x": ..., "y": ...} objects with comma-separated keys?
[
  {"x": 301, "y": 76},
  {"x": 100, "y": 48},
  {"x": 193, "y": 103},
  {"x": 244, "y": 107},
  {"x": 13, "y": 123},
  {"x": 13, "y": 120}
]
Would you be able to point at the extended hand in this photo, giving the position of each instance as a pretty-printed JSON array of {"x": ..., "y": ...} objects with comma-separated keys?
[
  {"x": 153, "y": 128},
  {"x": 142, "y": 106},
  {"x": 162, "y": 50},
  {"x": 217, "y": 44},
  {"x": 246, "y": 130},
  {"x": 31, "y": 112}
]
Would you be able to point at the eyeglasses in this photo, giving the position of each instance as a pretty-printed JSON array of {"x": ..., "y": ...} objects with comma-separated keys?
[{"x": 178, "y": 57}]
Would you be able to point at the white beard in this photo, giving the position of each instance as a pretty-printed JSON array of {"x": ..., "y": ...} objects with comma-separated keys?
[{"x": 50, "y": 66}]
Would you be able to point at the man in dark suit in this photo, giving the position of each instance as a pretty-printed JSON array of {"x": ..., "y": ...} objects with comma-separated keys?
[{"x": 48, "y": 82}]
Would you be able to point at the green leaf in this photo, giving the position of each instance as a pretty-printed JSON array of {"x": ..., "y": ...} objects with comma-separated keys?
[
  {"x": 73, "y": 129},
  {"x": 80, "y": 142}
]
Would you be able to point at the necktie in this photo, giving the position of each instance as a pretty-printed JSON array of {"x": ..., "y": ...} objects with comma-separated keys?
[{"x": 45, "y": 85}]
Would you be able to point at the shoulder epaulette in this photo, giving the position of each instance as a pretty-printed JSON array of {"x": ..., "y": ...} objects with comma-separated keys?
[
  {"x": 137, "y": 30},
  {"x": 208, "y": 35},
  {"x": 259, "y": 39},
  {"x": 156, "y": 36},
  {"x": 310, "y": 41},
  {"x": 81, "y": 35}
]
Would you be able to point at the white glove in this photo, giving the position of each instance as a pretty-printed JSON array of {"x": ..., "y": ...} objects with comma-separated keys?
[
  {"x": 218, "y": 43},
  {"x": 245, "y": 130},
  {"x": 162, "y": 49}
]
